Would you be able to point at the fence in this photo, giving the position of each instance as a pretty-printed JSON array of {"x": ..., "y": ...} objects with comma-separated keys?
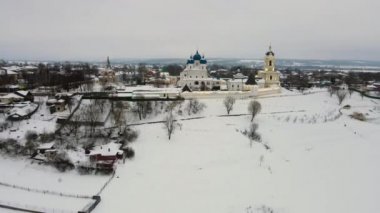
[
  {"x": 30, "y": 208},
  {"x": 106, "y": 183},
  {"x": 45, "y": 191},
  {"x": 236, "y": 94},
  {"x": 89, "y": 208},
  {"x": 24, "y": 116},
  {"x": 363, "y": 93}
]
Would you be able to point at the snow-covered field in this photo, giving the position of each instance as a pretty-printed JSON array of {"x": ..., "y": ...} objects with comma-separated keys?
[
  {"x": 208, "y": 166},
  {"x": 25, "y": 173},
  {"x": 318, "y": 161}
]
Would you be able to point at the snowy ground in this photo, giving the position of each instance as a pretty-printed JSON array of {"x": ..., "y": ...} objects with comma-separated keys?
[
  {"x": 319, "y": 161},
  {"x": 25, "y": 173},
  {"x": 40, "y": 122},
  {"x": 208, "y": 166}
]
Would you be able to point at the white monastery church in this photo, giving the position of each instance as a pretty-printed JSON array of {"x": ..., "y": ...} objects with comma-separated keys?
[{"x": 195, "y": 76}]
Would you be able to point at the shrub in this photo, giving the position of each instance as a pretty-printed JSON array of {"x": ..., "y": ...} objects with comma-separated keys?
[
  {"x": 254, "y": 107},
  {"x": 341, "y": 95},
  {"x": 358, "y": 116},
  {"x": 252, "y": 132},
  {"x": 82, "y": 170},
  {"x": 129, "y": 152},
  {"x": 229, "y": 102},
  {"x": 194, "y": 106},
  {"x": 47, "y": 137},
  {"x": 11, "y": 147},
  {"x": 129, "y": 135},
  {"x": 62, "y": 162},
  {"x": 30, "y": 147},
  {"x": 347, "y": 106},
  {"x": 31, "y": 135}
]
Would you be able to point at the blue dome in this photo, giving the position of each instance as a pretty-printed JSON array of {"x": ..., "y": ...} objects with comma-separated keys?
[
  {"x": 270, "y": 53},
  {"x": 197, "y": 56},
  {"x": 203, "y": 61}
]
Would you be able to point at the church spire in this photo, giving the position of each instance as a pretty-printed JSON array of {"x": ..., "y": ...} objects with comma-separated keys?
[{"x": 108, "y": 62}]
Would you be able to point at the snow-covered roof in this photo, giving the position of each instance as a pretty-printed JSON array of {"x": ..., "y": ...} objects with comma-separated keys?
[
  {"x": 12, "y": 68},
  {"x": 240, "y": 76},
  {"x": 46, "y": 145},
  {"x": 11, "y": 95},
  {"x": 237, "y": 81},
  {"x": 9, "y": 72},
  {"x": 52, "y": 101},
  {"x": 64, "y": 94},
  {"x": 23, "y": 111},
  {"x": 30, "y": 67},
  {"x": 110, "y": 149},
  {"x": 23, "y": 92}
]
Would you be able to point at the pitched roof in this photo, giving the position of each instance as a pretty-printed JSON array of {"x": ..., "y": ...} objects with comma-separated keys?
[
  {"x": 11, "y": 95},
  {"x": 22, "y": 92}
]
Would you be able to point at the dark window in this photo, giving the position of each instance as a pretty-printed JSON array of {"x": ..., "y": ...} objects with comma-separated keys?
[{"x": 270, "y": 63}]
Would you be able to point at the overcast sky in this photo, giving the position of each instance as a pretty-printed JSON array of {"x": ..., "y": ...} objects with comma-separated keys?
[{"x": 93, "y": 29}]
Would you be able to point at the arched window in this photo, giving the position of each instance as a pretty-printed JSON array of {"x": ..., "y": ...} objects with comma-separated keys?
[
  {"x": 270, "y": 77},
  {"x": 270, "y": 63},
  {"x": 196, "y": 83}
]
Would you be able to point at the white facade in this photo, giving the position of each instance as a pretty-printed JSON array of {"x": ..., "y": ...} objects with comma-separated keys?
[
  {"x": 236, "y": 84},
  {"x": 195, "y": 75}
]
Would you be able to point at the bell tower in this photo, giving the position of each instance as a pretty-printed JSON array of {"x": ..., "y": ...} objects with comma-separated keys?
[
  {"x": 269, "y": 60},
  {"x": 269, "y": 74}
]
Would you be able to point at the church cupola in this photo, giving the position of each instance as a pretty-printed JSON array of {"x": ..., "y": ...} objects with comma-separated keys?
[
  {"x": 270, "y": 52},
  {"x": 203, "y": 60},
  {"x": 190, "y": 61},
  {"x": 197, "y": 56}
]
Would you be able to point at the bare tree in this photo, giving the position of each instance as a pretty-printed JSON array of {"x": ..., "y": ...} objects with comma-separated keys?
[
  {"x": 103, "y": 83},
  {"x": 229, "y": 102},
  {"x": 350, "y": 91},
  {"x": 194, "y": 106},
  {"x": 341, "y": 94},
  {"x": 100, "y": 103},
  {"x": 332, "y": 90},
  {"x": 172, "y": 106},
  {"x": 142, "y": 108},
  {"x": 70, "y": 103},
  {"x": 91, "y": 115},
  {"x": 252, "y": 134},
  {"x": 170, "y": 124},
  {"x": 254, "y": 107},
  {"x": 138, "y": 108},
  {"x": 118, "y": 115},
  {"x": 74, "y": 124}
]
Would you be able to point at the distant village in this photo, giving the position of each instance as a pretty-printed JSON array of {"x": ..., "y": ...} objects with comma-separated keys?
[{"x": 47, "y": 106}]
